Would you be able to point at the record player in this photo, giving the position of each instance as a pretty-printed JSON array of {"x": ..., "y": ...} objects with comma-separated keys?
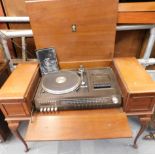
[
  {"x": 79, "y": 36},
  {"x": 93, "y": 88}
]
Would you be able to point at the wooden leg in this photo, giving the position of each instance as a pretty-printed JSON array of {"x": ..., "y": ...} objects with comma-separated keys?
[
  {"x": 13, "y": 125},
  {"x": 144, "y": 123}
]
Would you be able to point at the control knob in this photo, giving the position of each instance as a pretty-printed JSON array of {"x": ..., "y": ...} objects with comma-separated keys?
[
  {"x": 115, "y": 100},
  {"x": 45, "y": 109},
  {"x": 48, "y": 109},
  {"x": 52, "y": 108},
  {"x": 41, "y": 109},
  {"x": 55, "y": 109}
]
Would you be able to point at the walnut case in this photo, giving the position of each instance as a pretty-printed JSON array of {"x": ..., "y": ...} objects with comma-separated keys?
[
  {"x": 17, "y": 93},
  {"x": 137, "y": 86}
]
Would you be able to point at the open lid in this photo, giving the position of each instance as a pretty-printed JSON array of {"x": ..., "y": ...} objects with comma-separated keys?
[{"x": 82, "y": 32}]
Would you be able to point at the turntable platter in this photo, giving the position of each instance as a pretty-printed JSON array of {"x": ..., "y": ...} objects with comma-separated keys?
[{"x": 61, "y": 82}]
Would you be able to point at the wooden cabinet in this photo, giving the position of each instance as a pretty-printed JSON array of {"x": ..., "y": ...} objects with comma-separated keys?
[
  {"x": 92, "y": 45},
  {"x": 17, "y": 93},
  {"x": 137, "y": 86},
  {"x": 138, "y": 89},
  {"x": 4, "y": 73}
]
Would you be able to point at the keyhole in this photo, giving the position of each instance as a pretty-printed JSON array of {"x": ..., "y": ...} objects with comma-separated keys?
[{"x": 74, "y": 28}]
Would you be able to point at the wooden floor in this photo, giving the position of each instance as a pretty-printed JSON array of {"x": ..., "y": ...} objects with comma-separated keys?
[{"x": 88, "y": 146}]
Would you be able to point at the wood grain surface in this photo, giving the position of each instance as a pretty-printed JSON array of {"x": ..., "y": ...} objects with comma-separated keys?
[
  {"x": 2, "y": 58},
  {"x": 95, "y": 36},
  {"x": 138, "y": 88},
  {"x": 140, "y": 6},
  {"x": 136, "y": 17},
  {"x": 136, "y": 13},
  {"x": 129, "y": 43},
  {"x": 75, "y": 125},
  {"x": 134, "y": 75},
  {"x": 18, "y": 82}
]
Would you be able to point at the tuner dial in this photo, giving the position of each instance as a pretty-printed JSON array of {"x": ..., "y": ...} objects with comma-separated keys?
[{"x": 115, "y": 100}]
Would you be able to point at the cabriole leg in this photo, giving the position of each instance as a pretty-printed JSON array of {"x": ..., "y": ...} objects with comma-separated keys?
[
  {"x": 13, "y": 125},
  {"x": 144, "y": 123}
]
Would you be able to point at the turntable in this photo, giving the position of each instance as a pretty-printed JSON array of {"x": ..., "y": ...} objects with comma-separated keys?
[
  {"x": 78, "y": 89},
  {"x": 61, "y": 82}
]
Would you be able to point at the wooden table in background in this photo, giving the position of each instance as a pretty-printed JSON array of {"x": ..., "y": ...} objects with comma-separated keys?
[{"x": 4, "y": 73}]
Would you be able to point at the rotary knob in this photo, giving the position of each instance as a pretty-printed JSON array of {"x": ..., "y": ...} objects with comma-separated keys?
[
  {"x": 52, "y": 108},
  {"x": 48, "y": 109},
  {"x": 41, "y": 109},
  {"x": 55, "y": 109},
  {"x": 115, "y": 100},
  {"x": 45, "y": 109}
]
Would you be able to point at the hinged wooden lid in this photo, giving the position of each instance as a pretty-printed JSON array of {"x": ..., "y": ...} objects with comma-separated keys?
[
  {"x": 83, "y": 32},
  {"x": 18, "y": 83},
  {"x": 134, "y": 76}
]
